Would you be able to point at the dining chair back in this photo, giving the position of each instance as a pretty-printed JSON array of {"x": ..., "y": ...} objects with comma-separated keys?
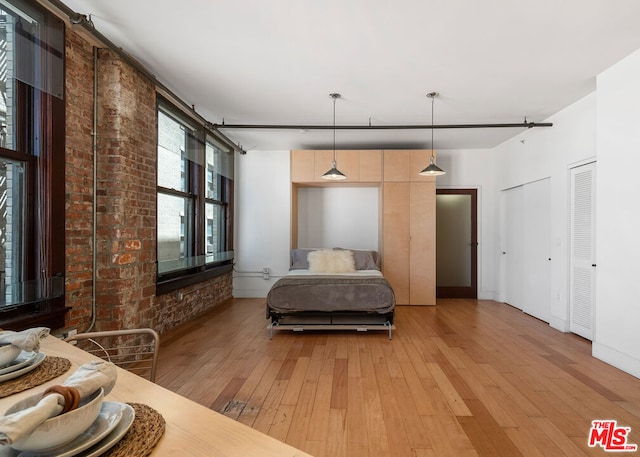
[{"x": 135, "y": 350}]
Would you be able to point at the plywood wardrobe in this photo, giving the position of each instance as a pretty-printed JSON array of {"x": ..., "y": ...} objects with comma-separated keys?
[
  {"x": 409, "y": 227},
  {"x": 408, "y": 205}
]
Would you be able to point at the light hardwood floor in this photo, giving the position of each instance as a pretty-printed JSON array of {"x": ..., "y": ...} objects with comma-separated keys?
[{"x": 463, "y": 378}]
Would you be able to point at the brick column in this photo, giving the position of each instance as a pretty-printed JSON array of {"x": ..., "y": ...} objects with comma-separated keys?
[{"x": 126, "y": 193}]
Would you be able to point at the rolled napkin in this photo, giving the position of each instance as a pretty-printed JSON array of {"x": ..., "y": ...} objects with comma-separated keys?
[
  {"x": 85, "y": 380},
  {"x": 18, "y": 425},
  {"x": 93, "y": 375},
  {"x": 27, "y": 340}
]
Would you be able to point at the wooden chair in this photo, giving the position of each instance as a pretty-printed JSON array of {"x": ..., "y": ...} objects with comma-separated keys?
[{"x": 135, "y": 350}]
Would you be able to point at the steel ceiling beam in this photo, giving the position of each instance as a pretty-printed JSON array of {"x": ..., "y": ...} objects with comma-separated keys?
[{"x": 527, "y": 125}]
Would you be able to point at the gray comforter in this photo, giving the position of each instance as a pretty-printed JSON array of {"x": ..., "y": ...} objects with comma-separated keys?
[{"x": 328, "y": 293}]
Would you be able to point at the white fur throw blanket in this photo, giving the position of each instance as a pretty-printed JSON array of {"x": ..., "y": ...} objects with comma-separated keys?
[{"x": 331, "y": 261}]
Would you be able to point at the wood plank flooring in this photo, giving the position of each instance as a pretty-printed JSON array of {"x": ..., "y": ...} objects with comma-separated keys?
[{"x": 464, "y": 378}]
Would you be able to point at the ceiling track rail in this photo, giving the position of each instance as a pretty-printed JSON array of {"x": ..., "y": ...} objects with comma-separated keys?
[{"x": 525, "y": 125}]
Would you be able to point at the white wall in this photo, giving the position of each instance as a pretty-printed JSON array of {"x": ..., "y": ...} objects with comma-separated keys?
[
  {"x": 347, "y": 217},
  {"x": 548, "y": 153},
  {"x": 262, "y": 220},
  {"x": 617, "y": 338}
]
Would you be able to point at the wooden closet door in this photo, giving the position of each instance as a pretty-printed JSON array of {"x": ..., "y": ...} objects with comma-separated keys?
[
  {"x": 396, "y": 251},
  {"x": 422, "y": 265},
  {"x": 409, "y": 228}
]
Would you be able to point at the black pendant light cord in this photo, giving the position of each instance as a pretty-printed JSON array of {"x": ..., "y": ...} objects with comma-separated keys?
[
  {"x": 432, "y": 96},
  {"x": 335, "y": 96},
  {"x": 334, "y": 127}
]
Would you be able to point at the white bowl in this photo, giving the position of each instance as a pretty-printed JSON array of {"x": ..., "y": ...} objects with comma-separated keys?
[
  {"x": 58, "y": 430},
  {"x": 8, "y": 353}
]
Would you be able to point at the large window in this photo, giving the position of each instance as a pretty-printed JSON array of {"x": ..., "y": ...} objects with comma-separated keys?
[
  {"x": 219, "y": 176},
  {"x": 195, "y": 197},
  {"x": 31, "y": 166}
]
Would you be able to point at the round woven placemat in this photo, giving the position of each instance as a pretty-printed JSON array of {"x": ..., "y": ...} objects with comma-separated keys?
[
  {"x": 145, "y": 432},
  {"x": 51, "y": 367}
]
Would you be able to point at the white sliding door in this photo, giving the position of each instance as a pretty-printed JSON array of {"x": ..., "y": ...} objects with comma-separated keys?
[
  {"x": 526, "y": 254},
  {"x": 582, "y": 269},
  {"x": 514, "y": 247},
  {"x": 537, "y": 234}
]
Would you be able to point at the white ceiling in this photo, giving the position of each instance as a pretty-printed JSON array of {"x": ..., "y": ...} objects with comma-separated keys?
[{"x": 277, "y": 61}]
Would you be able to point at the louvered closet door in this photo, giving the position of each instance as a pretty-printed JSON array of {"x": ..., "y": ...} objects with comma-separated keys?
[{"x": 583, "y": 272}]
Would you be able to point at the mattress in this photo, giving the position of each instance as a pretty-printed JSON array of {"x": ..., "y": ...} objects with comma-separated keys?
[{"x": 361, "y": 291}]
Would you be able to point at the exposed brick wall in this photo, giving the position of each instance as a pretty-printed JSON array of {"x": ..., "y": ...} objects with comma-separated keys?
[
  {"x": 126, "y": 201},
  {"x": 178, "y": 307},
  {"x": 78, "y": 181},
  {"x": 126, "y": 191}
]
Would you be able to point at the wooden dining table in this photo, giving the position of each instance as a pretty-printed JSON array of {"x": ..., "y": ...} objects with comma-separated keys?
[{"x": 191, "y": 429}]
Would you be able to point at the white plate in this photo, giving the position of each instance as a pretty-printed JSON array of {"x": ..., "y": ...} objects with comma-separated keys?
[
  {"x": 108, "y": 419},
  {"x": 128, "y": 415},
  {"x": 24, "y": 370},
  {"x": 24, "y": 359}
]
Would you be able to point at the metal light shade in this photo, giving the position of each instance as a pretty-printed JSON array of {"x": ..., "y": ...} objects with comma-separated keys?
[
  {"x": 432, "y": 169},
  {"x": 334, "y": 174}
]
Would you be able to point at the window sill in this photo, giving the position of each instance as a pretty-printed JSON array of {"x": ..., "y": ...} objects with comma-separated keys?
[
  {"x": 167, "y": 283},
  {"x": 49, "y": 314}
]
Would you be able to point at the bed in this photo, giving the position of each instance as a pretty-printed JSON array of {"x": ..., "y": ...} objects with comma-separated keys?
[{"x": 322, "y": 293}]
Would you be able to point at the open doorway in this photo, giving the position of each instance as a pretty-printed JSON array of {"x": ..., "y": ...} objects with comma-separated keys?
[{"x": 456, "y": 243}]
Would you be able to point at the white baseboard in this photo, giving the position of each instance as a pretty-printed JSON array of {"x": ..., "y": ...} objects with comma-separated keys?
[
  {"x": 559, "y": 324},
  {"x": 618, "y": 359},
  {"x": 250, "y": 293},
  {"x": 487, "y": 296}
]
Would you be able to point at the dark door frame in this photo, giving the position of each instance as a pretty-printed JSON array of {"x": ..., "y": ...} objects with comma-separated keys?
[{"x": 472, "y": 290}]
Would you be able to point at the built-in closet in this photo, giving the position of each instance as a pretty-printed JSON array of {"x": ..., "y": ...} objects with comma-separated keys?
[
  {"x": 407, "y": 210},
  {"x": 408, "y": 227}
]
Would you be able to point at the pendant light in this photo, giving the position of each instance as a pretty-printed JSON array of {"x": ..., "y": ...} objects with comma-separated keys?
[
  {"x": 334, "y": 174},
  {"x": 432, "y": 169}
]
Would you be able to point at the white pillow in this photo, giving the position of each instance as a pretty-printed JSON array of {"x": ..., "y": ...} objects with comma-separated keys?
[{"x": 329, "y": 261}]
